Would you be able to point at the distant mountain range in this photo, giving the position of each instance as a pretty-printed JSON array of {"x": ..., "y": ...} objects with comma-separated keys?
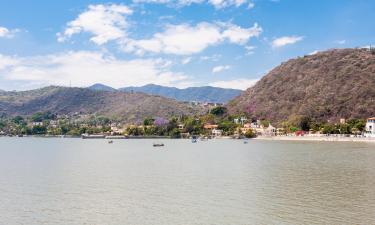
[
  {"x": 198, "y": 94},
  {"x": 329, "y": 85},
  {"x": 115, "y": 104}
]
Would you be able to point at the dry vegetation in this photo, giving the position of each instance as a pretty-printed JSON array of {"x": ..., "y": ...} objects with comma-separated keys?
[
  {"x": 325, "y": 86},
  {"x": 123, "y": 106}
]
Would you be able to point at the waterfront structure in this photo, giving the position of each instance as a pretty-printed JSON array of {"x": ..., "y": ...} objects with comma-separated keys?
[
  {"x": 370, "y": 127},
  {"x": 216, "y": 132}
]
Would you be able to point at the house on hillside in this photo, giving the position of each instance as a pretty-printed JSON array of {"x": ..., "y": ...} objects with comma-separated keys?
[
  {"x": 33, "y": 124},
  {"x": 370, "y": 127},
  {"x": 240, "y": 120}
]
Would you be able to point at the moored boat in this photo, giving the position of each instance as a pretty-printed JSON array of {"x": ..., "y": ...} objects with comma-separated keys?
[{"x": 158, "y": 144}]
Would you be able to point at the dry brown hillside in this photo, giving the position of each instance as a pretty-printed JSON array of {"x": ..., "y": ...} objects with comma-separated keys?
[
  {"x": 328, "y": 85},
  {"x": 63, "y": 100}
]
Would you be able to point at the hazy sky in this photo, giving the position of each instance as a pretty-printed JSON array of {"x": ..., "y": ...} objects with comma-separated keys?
[{"x": 226, "y": 43}]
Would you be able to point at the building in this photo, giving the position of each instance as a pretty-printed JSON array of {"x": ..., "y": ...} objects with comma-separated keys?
[
  {"x": 181, "y": 126},
  {"x": 33, "y": 124},
  {"x": 240, "y": 120},
  {"x": 216, "y": 132},
  {"x": 270, "y": 131},
  {"x": 210, "y": 126},
  {"x": 370, "y": 127},
  {"x": 246, "y": 127}
]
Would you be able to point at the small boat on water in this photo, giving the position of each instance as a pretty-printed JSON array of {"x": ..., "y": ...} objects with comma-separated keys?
[
  {"x": 110, "y": 142},
  {"x": 93, "y": 136},
  {"x": 203, "y": 139},
  {"x": 158, "y": 144},
  {"x": 194, "y": 139},
  {"x": 246, "y": 141}
]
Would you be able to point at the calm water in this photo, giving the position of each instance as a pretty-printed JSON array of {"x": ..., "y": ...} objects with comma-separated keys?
[{"x": 75, "y": 181}]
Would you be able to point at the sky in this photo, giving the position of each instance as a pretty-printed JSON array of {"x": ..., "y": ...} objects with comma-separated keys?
[{"x": 180, "y": 43}]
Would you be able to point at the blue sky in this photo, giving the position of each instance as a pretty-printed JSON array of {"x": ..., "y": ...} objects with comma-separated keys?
[{"x": 225, "y": 43}]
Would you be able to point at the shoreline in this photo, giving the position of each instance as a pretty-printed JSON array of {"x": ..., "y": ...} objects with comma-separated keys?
[
  {"x": 319, "y": 139},
  {"x": 266, "y": 138}
]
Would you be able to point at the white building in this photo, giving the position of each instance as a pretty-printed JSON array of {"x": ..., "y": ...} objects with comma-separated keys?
[
  {"x": 215, "y": 132},
  {"x": 370, "y": 127}
]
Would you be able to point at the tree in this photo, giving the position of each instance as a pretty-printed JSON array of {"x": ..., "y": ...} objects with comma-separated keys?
[
  {"x": 304, "y": 123},
  {"x": 19, "y": 120},
  {"x": 265, "y": 123},
  {"x": 39, "y": 130},
  {"x": 228, "y": 127},
  {"x": 329, "y": 129},
  {"x": 41, "y": 116},
  {"x": 250, "y": 133},
  {"x": 175, "y": 133},
  {"x": 148, "y": 121},
  {"x": 218, "y": 111}
]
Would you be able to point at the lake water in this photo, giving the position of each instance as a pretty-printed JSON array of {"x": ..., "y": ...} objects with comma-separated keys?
[{"x": 75, "y": 181}]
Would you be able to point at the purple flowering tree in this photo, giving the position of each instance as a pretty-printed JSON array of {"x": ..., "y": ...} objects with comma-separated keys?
[{"x": 161, "y": 122}]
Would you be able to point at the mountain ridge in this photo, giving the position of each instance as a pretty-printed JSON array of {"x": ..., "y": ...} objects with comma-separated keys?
[
  {"x": 198, "y": 94},
  {"x": 67, "y": 101},
  {"x": 338, "y": 83}
]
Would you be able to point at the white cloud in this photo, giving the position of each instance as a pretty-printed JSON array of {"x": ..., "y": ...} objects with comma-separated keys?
[
  {"x": 340, "y": 42},
  {"x": 213, "y": 58},
  {"x": 185, "y": 39},
  {"x": 251, "y": 5},
  {"x": 286, "y": 40},
  {"x": 241, "y": 84},
  {"x": 314, "y": 52},
  {"x": 239, "y": 35},
  {"x": 104, "y": 22},
  {"x": 249, "y": 49},
  {"x": 218, "y": 69},
  {"x": 218, "y": 4},
  {"x": 84, "y": 68},
  {"x": 186, "y": 60},
  {"x": 6, "y": 33},
  {"x": 7, "y": 61}
]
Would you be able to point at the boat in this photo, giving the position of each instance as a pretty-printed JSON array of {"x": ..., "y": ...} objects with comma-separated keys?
[
  {"x": 158, "y": 144},
  {"x": 194, "y": 139},
  {"x": 110, "y": 142},
  {"x": 92, "y": 136},
  {"x": 204, "y": 138},
  {"x": 245, "y": 141},
  {"x": 116, "y": 137}
]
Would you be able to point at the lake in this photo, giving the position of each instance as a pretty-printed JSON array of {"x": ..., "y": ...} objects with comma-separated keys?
[{"x": 75, "y": 181}]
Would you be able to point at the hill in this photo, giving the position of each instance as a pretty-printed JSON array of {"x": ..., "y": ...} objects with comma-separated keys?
[
  {"x": 101, "y": 87},
  {"x": 62, "y": 100},
  {"x": 329, "y": 85},
  {"x": 199, "y": 94}
]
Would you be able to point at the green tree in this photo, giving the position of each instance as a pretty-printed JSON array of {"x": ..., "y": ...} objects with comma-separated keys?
[
  {"x": 148, "y": 121},
  {"x": 218, "y": 111},
  {"x": 19, "y": 120},
  {"x": 228, "y": 127},
  {"x": 175, "y": 133},
  {"x": 39, "y": 130},
  {"x": 250, "y": 133}
]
